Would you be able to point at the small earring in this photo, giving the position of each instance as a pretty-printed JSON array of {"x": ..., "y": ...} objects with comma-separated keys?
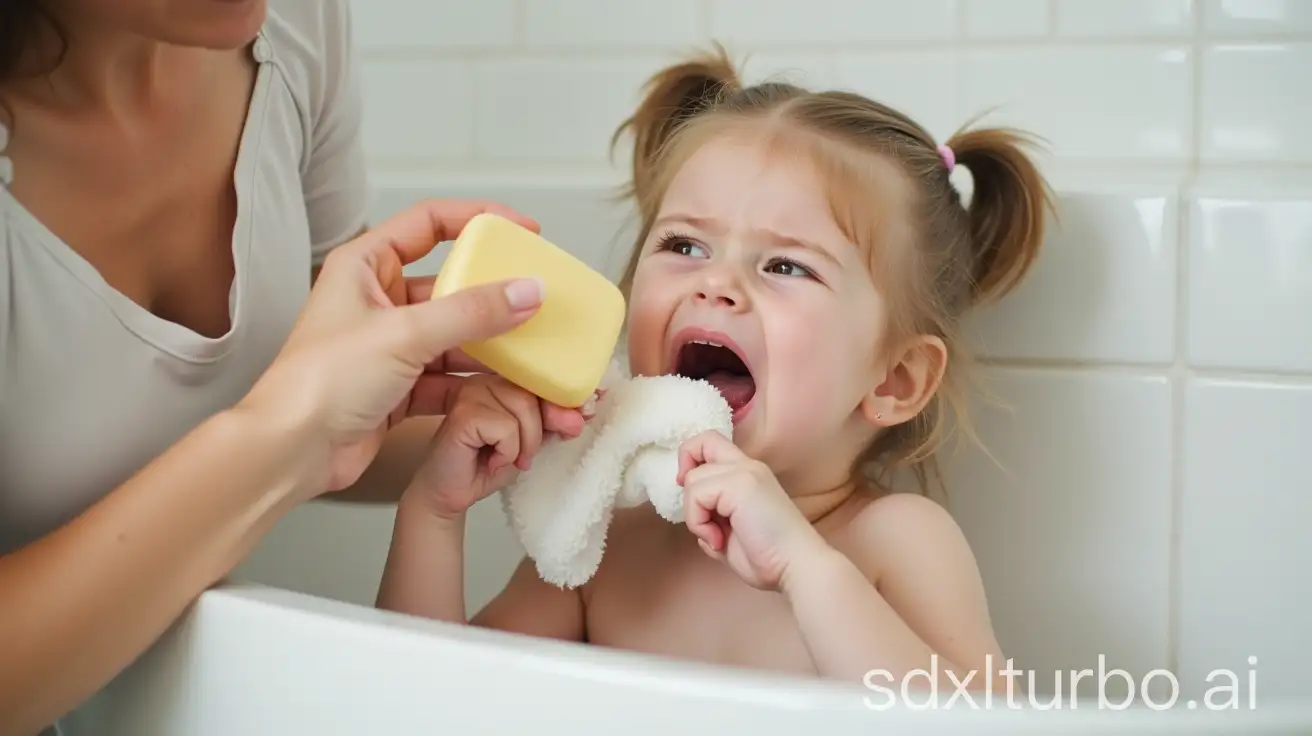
[{"x": 879, "y": 416}]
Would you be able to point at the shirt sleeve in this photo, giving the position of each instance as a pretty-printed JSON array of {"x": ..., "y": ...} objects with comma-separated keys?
[{"x": 335, "y": 181}]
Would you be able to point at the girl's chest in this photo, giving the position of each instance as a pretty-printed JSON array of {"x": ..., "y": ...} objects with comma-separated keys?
[{"x": 665, "y": 598}]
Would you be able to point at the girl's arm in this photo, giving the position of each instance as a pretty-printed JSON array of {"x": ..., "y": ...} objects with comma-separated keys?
[
  {"x": 928, "y": 612},
  {"x": 424, "y": 576},
  {"x": 80, "y": 604},
  {"x": 424, "y": 572}
]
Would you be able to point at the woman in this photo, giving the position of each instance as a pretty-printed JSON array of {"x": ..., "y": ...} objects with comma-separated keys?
[
  {"x": 370, "y": 348},
  {"x": 171, "y": 173}
]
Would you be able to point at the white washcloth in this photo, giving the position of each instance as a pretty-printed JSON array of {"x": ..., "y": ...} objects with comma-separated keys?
[{"x": 561, "y": 508}]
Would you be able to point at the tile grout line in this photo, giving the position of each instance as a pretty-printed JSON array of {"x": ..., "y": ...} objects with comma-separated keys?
[
  {"x": 1175, "y": 370},
  {"x": 519, "y": 34},
  {"x": 958, "y": 63},
  {"x": 475, "y": 105},
  {"x": 874, "y": 46},
  {"x": 1180, "y": 374},
  {"x": 1097, "y": 169}
]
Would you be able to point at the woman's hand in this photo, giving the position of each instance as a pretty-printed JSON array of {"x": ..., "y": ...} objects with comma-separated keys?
[
  {"x": 370, "y": 348},
  {"x": 492, "y": 430}
]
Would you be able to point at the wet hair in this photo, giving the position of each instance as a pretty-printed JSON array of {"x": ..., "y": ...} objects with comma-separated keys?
[{"x": 947, "y": 256}]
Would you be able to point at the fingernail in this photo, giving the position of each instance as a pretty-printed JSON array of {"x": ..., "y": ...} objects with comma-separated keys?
[{"x": 525, "y": 293}]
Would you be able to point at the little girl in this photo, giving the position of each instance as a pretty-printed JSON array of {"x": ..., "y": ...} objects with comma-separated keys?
[{"x": 806, "y": 253}]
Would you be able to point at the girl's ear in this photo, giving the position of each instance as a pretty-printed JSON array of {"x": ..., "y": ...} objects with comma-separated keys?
[{"x": 915, "y": 372}]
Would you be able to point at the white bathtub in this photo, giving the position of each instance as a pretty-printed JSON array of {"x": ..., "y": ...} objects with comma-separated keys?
[{"x": 254, "y": 661}]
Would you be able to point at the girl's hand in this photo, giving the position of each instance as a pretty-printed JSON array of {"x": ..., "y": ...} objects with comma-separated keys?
[
  {"x": 492, "y": 430},
  {"x": 739, "y": 512}
]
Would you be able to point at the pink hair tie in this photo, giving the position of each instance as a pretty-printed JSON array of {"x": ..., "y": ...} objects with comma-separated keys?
[{"x": 949, "y": 158}]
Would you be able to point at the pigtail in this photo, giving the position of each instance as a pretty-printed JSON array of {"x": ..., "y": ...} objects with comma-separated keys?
[
  {"x": 1008, "y": 207},
  {"x": 671, "y": 97}
]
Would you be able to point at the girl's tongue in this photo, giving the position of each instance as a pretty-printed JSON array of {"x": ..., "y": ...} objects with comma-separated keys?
[
  {"x": 737, "y": 389},
  {"x": 720, "y": 367}
]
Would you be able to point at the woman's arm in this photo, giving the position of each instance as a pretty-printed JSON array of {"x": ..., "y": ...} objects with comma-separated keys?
[
  {"x": 79, "y": 605},
  {"x": 405, "y": 448}
]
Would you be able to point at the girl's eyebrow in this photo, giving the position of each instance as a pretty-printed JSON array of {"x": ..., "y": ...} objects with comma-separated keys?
[{"x": 712, "y": 227}]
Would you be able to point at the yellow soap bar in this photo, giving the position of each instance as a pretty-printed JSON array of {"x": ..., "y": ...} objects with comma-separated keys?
[{"x": 561, "y": 353}]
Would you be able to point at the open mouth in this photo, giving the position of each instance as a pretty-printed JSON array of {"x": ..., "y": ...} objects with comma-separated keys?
[{"x": 722, "y": 367}]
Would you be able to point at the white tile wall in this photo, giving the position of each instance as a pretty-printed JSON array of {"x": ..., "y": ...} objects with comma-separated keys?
[{"x": 1153, "y": 496}]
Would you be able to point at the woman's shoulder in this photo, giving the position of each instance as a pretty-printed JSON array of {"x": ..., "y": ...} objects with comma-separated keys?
[
  {"x": 320, "y": 23},
  {"x": 6, "y": 256},
  {"x": 317, "y": 27},
  {"x": 311, "y": 42}
]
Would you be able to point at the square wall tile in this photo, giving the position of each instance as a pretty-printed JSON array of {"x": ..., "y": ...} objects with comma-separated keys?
[
  {"x": 390, "y": 24},
  {"x": 1255, "y": 102},
  {"x": 581, "y": 220},
  {"x": 1103, "y": 288},
  {"x": 605, "y": 23},
  {"x": 1256, "y": 17},
  {"x": 1006, "y": 18},
  {"x": 553, "y": 109},
  {"x": 810, "y": 70},
  {"x": 1245, "y": 550},
  {"x": 1250, "y": 281},
  {"x": 753, "y": 23},
  {"x": 921, "y": 84},
  {"x": 400, "y": 125},
  {"x": 338, "y": 550},
  {"x": 1106, "y": 18},
  {"x": 324, "y": 548},
  {"x": 1077, "y": 98},
  {"x": 1073, "y": 531}
]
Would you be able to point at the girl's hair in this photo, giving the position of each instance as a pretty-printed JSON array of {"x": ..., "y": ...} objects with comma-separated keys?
[{"x": 958, "y": 257}]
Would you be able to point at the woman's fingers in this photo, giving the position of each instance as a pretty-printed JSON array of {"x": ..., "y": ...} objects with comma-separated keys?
[
  {"x": 415, "y": 231},
  {"x": 434, "y": 395},
  {"x": 455, "y": 361},
  {"x": 418, "y": 289},
  {"x": 423, "y": 333}
]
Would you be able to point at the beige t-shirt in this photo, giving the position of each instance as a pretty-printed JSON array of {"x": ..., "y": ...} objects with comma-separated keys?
[{"x": 93, "y": 386}]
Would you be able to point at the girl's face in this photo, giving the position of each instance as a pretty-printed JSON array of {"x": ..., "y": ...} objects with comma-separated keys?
[{"x": 746, "y": 280}]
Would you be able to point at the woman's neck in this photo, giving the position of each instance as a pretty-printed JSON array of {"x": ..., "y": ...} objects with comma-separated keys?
[{"x": 101, "y": 69}]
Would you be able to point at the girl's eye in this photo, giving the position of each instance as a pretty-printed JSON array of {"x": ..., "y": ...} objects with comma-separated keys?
[
  {"x": 785, "y": 267},
  {"x": 682, "y": 246}
]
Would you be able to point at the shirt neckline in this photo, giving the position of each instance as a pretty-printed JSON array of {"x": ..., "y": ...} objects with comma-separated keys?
[{"x": 166, "y": 336}]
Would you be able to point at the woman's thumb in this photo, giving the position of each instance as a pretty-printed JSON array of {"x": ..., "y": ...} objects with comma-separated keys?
[{"x": 476, "y": 313}]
